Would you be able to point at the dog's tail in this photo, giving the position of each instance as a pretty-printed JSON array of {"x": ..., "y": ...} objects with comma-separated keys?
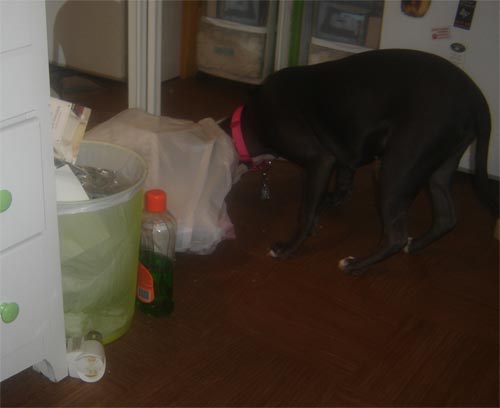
[{"x": 485, "y": 190}]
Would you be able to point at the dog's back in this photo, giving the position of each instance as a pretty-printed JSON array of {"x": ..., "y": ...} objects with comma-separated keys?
[{"x": 358, "y": 93}]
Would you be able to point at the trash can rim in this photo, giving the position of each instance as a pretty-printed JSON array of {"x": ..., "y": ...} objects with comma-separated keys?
[{"x": 83, "y": 206}]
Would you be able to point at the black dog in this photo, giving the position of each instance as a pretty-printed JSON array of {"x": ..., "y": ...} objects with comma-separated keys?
[{"x": 414, "y": 111}]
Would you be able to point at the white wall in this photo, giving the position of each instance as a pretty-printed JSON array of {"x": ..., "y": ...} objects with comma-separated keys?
[
  {"x": 91, "y": 35},
  {"x": 480, "y": 60}
]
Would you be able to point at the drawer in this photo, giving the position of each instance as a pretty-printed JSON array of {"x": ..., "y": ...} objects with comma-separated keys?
[
  {"x": 230, "y": 50},
  {"x": 22, "y": 282},
  {"x": 21, "y": 177},
  {"x": 16, "y": 82}
]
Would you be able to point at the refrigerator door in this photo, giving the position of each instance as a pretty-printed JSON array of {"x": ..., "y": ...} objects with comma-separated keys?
[{"x": 475, "y": 50}]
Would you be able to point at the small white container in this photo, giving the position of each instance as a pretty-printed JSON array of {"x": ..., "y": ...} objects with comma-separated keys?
[{"x": 86, "y": 358}]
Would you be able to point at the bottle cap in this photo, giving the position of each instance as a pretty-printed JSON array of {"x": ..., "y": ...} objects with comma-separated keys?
[{"x": 156, "y": 200}]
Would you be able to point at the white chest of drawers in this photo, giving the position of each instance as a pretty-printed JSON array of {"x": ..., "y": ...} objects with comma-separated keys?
[{"x": 31, "y": 308}]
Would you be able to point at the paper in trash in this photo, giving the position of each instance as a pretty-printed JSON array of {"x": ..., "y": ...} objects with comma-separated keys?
[
  {"x": 69, "y": 122},
  {"x": 68, "y": 187}
]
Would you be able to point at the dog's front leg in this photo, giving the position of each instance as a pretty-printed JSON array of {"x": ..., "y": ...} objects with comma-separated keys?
[{"x": 316, "y": 180}]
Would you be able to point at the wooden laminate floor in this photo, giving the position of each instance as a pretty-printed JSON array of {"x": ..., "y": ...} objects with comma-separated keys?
[{"x": 248, "y": 330}]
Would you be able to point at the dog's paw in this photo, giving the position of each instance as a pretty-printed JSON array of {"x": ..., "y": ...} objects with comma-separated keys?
[
  {"x": 344, "y": 264},
  {"x": 348, "y": 266},
  {"x": 280, "y": 251},
  {"x": 407, "y": 248},
  {"x": 272, "y": 253}
]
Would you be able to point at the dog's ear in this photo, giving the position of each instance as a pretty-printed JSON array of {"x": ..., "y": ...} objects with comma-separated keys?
[{"x": 225, "y": 125}]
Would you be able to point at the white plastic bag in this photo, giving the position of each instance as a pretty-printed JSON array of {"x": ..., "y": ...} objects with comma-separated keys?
[{"x": 195, "y": 163}]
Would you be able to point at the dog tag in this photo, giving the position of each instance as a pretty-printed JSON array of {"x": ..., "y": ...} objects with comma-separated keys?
[{"x": 265, "y": 191}]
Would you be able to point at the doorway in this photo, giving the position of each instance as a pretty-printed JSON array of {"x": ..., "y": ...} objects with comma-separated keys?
[{"x": 88, "y": 52}]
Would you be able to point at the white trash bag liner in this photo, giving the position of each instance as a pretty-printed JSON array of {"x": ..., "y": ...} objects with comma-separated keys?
[{"x": 195, "y": 163}]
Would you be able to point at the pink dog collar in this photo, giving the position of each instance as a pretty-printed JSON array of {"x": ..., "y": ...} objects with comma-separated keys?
[{"x": 237, "y": 134}]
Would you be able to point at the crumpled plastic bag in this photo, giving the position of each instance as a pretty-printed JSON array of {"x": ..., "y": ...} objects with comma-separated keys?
[{"x": 194, "y": 162}]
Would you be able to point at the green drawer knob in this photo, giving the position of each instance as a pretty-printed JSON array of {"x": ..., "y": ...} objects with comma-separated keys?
[
  {"x": 9, "y": 312},
  {"x": 5, "y": 200}
]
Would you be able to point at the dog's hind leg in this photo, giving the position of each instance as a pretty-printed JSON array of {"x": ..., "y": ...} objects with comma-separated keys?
[
  {"x": 394, "y": 197},
  {"x": 443, "y": 206},
  {"x": 395, "y": 236}
]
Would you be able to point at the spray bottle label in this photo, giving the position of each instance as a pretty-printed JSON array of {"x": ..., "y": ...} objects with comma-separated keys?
[{"x": 145, "y": 285}]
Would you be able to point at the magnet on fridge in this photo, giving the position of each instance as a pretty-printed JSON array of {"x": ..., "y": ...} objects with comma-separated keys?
[
  {"x": 465, "y": 12},
  {"x": 415, "y": 8},
  {"x": 438, "y": 33},
  {"x": 457, "y": 47}
]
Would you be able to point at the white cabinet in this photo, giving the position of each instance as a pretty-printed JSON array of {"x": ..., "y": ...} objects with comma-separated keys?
[{"x": 31, "y": 307}]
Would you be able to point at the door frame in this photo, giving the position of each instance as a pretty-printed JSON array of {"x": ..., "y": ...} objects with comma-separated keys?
[{"x": 144, "y": 55}]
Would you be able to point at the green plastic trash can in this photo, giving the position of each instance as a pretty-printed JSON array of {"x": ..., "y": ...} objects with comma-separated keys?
[{"x": 99, "y": 247}]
